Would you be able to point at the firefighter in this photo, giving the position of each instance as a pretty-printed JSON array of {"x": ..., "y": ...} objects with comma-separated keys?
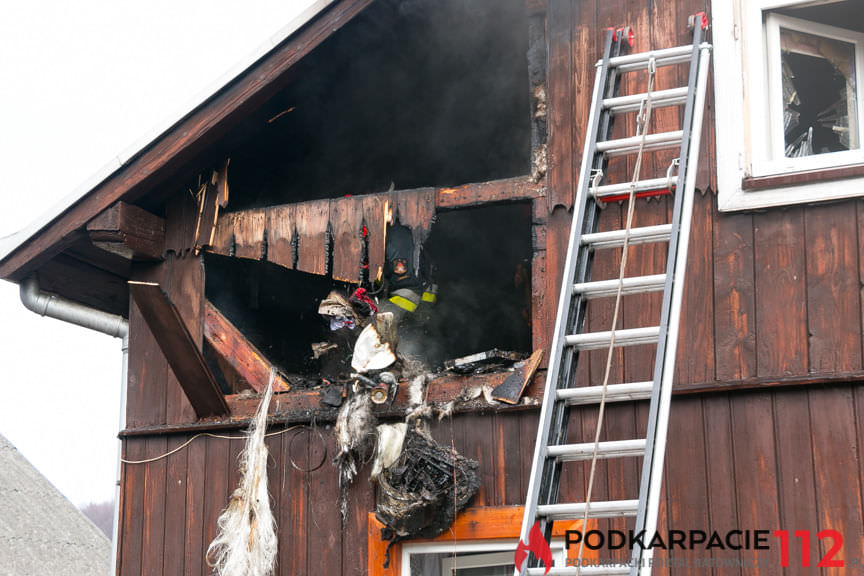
[{"x": 407, "y": 295}]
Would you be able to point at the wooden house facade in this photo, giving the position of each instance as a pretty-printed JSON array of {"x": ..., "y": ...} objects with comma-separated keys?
[{"x": 275, "y": 188}]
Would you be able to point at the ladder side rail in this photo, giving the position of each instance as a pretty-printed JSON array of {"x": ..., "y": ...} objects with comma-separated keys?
[
  {"x": 671, "y": 277},
  {"x": 651, "y": 478},
  {"x": 550, "y": 411},
  {"x": 600, "y": 126},
  {"x": 657, "y": 457}
]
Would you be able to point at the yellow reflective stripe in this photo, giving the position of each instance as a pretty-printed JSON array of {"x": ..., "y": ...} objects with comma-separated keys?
[
  {"x": 403, "y": 303},
  {"x": 429, "y": 297}
]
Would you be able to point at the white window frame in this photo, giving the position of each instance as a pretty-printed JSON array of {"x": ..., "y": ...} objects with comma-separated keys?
[
  {"x": 559, "y": 552},
  {"x": 742, "y": 122}
]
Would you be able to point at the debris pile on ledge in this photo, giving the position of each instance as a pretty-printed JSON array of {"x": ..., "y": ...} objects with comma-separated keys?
[{"x": 417, "y": 492}]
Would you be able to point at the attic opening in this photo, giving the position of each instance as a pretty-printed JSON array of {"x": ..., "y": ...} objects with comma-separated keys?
[
  {"x": 412, "y": 93},
  {"x": 481, "y": 258}
]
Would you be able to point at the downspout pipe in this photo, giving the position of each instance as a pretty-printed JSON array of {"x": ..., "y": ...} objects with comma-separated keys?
[
  {"x": 67, "y": 311},
  {"x": 113, "y": 325}
]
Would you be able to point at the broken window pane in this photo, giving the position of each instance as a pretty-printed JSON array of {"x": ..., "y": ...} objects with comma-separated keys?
[{"x": 819, "y": 99}]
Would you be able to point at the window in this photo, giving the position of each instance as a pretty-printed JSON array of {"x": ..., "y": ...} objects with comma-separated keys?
[
  {"x": 476, "y": 558},
  {"x": 484, "y": 539},
  {"x": 790, "y": 122}
]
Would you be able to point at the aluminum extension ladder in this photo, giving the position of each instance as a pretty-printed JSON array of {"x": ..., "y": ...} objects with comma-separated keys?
[{"x": 568, "y": 340}]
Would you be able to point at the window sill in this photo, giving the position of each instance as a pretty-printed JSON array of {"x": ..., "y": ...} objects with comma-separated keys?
[
  {"x": 802, "y": 177},
  {"x": 737, "y": 194}
]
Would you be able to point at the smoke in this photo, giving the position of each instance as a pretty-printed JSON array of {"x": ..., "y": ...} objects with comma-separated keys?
[{"x": 418, "y": 92}]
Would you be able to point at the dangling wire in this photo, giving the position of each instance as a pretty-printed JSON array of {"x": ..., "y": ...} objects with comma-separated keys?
[{"x": 642, "y": 120}]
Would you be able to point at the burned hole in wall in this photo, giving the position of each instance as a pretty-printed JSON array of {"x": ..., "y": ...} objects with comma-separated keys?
[
  {"x": 481, "y": 258},
  {"x": 482, "y": 262},
  {"x": 414, "y": 93},
  {"x": 275, "y": 308}
]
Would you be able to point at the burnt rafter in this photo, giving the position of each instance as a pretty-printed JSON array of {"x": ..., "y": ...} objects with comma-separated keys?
[
  {"x": 350, "y": 230},
  {"x": 243, "y": 357},
  {"x": 179, "y": 348},
  {"x": 128, "y": 231}
]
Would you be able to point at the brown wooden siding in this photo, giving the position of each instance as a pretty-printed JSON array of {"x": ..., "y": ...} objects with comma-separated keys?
[{"x": 747, "y": 460}]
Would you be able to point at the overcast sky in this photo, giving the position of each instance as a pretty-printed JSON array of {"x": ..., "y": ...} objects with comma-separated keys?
[{"x": 80, "y": 82}]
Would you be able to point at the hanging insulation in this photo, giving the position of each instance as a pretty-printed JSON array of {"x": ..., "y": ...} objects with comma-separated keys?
[{"x": 246, "y": 544}]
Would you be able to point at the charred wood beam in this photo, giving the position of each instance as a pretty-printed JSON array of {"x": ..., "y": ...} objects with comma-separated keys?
[
  {"x": 128, "y": 231},
  {"x": 300, "y": 406},
  {"x": 212, "y": 196},
  {"x": 179, "y": 349},
  {"x": 243, "y": 357},
  {"x": 342, "y": 234},
  {"x": 508, "y": 189},
  {"x": 537, "y": 86},
  {"x": 304, "y": 406}
]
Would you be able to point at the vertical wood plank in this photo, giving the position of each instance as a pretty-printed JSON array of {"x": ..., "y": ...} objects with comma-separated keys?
[
  {"x": 528, "y": 422},
  {"x": 686, "y": 481},
  {"x": 509, "y": 460},
  {"x": 280, "y": 230},
  {"x": 184, "y": 284},
  {"x": 795, "y": 471},
  {"x": 756, "y": 476},
  {"x": 560, "y": 100},
  {"x": 355, "y": 540},
  {"x": 311, "y": 219},
  {"x": 721, "y": 477},
  {"x": 147, "y": 367},
  {"x": 373, "y": 219},
  {"x": 216, "y": 489},
  {"x": 346, "y": 218},
  {"x": 480, "y": 445},
  {"x": 663, "y": 513},
  {"x": 324, "y": 546},
  {"x": 734, "y": 297},
  {"x": 132, "y": 519},
  {"x": 196, "y": 485},
  {"x": 248, "y": 228},
  {"x": 175, "y": 507},
  {"x": 835, "y": 465},
  {"x": 781, "y": 296},
  {"x": 293, "y": 516},
  {"x": 833, "y": 305},
  {"x": 153, "y": 540},
  {"x": 695, "y": 358},
  {"x": 274, "y": 482}
]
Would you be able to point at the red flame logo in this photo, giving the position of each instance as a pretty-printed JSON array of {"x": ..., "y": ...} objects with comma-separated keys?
[{"x": 536, "y": 544}]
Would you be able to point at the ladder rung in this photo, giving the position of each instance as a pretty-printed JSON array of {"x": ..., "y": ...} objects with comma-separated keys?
[
  {"x": 610, "y": 509},
  {"x": 614, "y": 393},
  {"x": 626, "y": 337},
  {"x": 634, "y": 285},
  {"x": 665, "y": 57},
  {"x": 606, "y": 190},
  {"x": 622, "y": 146},
  {"x": 615, "y": 238},
  {"x": 585, "y": 451},
  {"x": 587, "y": 570},
  {"x": 633, "y": 102}
]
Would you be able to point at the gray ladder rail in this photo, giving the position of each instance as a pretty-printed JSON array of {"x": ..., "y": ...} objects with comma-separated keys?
[
  {"x": 664, "y": 367},
  {"x": 550, "y": 451},
  {"x": 543, "y": 483}
]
